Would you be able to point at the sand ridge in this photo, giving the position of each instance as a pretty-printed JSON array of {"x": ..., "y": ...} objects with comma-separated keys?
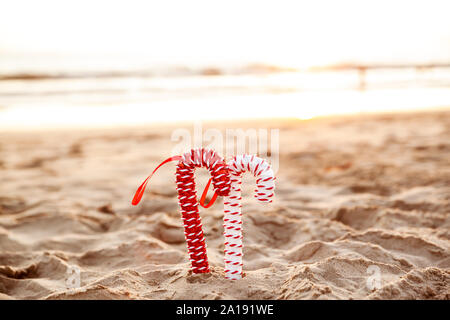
[{"x": 353, "y": 193}]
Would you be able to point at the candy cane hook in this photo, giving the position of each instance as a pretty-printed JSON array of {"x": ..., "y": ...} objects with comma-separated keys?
[
  {"x": 187, "y": 197},
  {"x": 232, "y": 220}
]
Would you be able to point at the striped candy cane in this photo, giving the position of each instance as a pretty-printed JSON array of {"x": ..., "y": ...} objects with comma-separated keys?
[
  {"x": 232, "y": 221},
  {"x": 187, "y": 197}
]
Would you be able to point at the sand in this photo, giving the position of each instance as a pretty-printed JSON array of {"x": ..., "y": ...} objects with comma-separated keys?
[{"x": 357, "y": 197}]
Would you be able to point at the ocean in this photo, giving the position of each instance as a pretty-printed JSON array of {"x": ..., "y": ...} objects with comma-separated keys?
[{"x": 47, "y": 92}]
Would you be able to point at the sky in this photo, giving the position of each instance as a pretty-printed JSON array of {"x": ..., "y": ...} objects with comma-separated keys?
[{"x": 292, "y": 33}]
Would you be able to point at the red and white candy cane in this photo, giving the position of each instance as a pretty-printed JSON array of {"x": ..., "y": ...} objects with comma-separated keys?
[
  {"x": 232, "y": 220},
  {"x": 187, "y": 196}
]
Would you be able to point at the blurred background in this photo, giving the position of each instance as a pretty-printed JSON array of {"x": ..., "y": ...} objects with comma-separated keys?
[{"x": 103, "y": 63}]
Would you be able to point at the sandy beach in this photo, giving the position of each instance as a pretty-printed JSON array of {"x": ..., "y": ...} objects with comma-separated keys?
[{"x": 354, "y": 194}]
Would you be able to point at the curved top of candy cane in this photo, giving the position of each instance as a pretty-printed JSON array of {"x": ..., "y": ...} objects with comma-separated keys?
[
  {"x": 210, "y": 160},
  {"x": 261, "y": 169}
]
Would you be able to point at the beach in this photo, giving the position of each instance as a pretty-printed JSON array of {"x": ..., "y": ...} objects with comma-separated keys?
[{"x": 361, "y": 211}]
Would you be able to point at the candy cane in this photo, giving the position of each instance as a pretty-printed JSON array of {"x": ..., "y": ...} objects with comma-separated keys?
[
  {"x": 187, "y": 197},
  {"x": 232, "y": 221}
]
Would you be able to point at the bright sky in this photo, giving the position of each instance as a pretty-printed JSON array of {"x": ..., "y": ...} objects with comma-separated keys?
[{"x": 293, "y": 33}]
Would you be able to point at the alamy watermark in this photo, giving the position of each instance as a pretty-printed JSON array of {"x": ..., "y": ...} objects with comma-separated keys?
[
  {"x": 73, "y": 280},
  {"x": 262, "y": 142},
  {"x": 373, "y": 282}
]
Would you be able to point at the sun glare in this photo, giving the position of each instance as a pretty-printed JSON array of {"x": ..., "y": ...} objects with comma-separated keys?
[
  {"x": 297, "y": 34},
  {"x": 86, "y": 39}
]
